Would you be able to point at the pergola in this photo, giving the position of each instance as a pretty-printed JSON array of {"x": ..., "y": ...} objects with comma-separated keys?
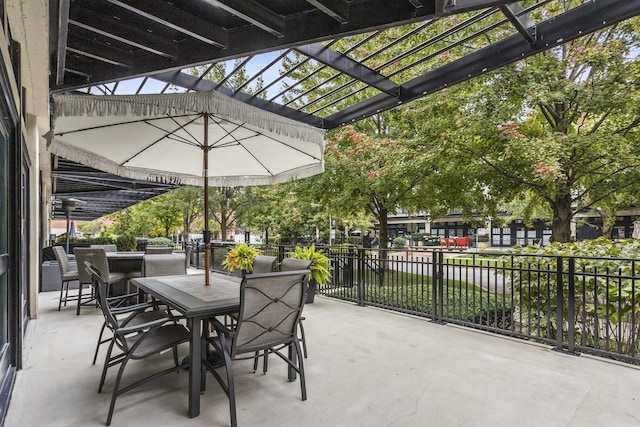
[{"x": 326, "y": 63}]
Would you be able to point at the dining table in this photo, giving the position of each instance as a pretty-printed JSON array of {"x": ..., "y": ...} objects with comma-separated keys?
[
  {"x": 126, "y": 262},
  {"x": 197, "y": 302}
]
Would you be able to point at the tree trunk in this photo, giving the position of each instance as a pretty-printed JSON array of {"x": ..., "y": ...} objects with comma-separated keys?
[
  {"x": 562, "y": 216},
  {"x": 223, "y": 226},
  {"x": 607, "y": 224},
  {"x": 383, "y": 217},
  {"x": 186, "y": 229}
]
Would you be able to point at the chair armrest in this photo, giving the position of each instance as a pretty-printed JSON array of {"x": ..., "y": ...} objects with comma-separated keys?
[
  {"x": 125, "y": 296},
  {"x": 132, "y": 308},
  {"x": 221, "y": 327},
  {"x": 143, "y": 326}
]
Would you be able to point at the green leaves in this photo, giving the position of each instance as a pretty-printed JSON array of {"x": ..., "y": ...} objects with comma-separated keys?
[
  {"x": 240, "y": 257},
  {"x": 320, "y": 265},
  {"x": 606, "y": 287}
]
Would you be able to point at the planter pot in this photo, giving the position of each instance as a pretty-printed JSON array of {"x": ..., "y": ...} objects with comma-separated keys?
[{"x": 312, "y": 286}]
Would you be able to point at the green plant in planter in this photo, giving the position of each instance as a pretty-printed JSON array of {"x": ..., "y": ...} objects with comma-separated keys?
[
  {"x": 126, "y": 243},
  {"x": 240, "y": 257},
  {"x": 320, "y": 265}
]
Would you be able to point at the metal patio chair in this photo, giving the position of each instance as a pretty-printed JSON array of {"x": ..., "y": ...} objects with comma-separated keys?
[
  {"x": 289, "y": 264},
  {"x": 263, "y": 264},
  {"x": 270, "y": 308},
  {"x": 158, "y": 250},
  {"x": 135, "y": 342},
  {"x": 129, "y": 314},
  {"x": 164, "y": 265},
  {"x": 67, "y": 274},
  {"x": 98, "y": 258}
]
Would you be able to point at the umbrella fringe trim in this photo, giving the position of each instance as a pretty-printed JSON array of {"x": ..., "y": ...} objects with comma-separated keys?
[
  {"x": 96, "y": 161},
  {"x": 194, "y": 102}
]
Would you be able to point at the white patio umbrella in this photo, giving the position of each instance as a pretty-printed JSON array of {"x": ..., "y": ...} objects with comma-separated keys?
[{"x": 200, "y": 138}]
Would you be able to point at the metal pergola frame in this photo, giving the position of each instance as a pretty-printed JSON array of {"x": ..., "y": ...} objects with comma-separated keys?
[{"x": 333, "y": 77}]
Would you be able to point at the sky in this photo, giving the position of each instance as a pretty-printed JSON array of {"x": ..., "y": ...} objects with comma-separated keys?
[{"x": 253, "y": 66}]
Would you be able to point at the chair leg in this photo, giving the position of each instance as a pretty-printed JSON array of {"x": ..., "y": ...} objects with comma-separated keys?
[
  {"x": 95, "y": 355},
  {"x": 302, "y": 338},
  {"x": 292, "y": 355},
  {"x": 79, "y": 298},
  {"x": 61, "y": 292},
  {"x": 66, "y": 294},
  {"x": 231, "y": 389},
  {"x": 175, "y": 357},
  {"x": 303, "y": 384},
  {"x": 107, "y": 359},
  {"x": 116, "y": 388},
  {"x": 255, "y": 361}
]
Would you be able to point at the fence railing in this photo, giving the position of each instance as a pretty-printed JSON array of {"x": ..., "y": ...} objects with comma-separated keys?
[{"x": 589, "y": 305}]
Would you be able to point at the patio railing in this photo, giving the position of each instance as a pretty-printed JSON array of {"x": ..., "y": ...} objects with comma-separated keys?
[{"x": 577, "y": 305}]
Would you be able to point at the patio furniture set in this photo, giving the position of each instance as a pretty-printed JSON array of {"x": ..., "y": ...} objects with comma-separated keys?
[{"x": 171, "y": 308}]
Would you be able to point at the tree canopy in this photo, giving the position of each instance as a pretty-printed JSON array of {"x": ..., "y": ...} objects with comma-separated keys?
[{"x": 573, "y": 142}]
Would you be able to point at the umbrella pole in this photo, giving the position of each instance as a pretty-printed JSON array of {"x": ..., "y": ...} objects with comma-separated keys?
[{"x": 207, "y": 236}]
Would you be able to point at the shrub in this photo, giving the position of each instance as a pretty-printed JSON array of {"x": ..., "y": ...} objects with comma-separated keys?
[
  {"x": 126, "y": 242},
  {"x": 606, "y": 288},
  {"x": 159, "y": 241},
  {"x": 100, "y": 240},
  {"x": 399, "y": 243}
]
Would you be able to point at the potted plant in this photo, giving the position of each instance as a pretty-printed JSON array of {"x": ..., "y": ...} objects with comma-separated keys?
[
  {"x": 320, "y": 268},
  {"x": 126, "y": 243},
  {"x": 240, "y": 257}
]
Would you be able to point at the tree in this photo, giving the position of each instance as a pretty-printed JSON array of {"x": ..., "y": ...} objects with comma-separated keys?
[
  {"x": 166, "y": 213},
  {"x": 190, "y": 200},
  {"x": 562, "y": 125},
  {"x": 229, "y": 205},
  {"x": 374, "y": 174}
]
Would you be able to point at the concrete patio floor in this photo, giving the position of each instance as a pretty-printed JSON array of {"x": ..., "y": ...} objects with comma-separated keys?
[{"x": 366, "y": 367}]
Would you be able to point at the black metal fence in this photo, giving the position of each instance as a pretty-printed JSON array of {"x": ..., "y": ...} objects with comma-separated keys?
[{"x": 577, "y": 305}]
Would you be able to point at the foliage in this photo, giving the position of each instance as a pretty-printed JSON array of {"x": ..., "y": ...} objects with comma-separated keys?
[
  {"x": 126, "y": 242},
  {"x": 165, "y": 212},
  {"x": 461, "y": 301},
  {"x": 103, "y": 239},
  {"x": 156, "y": 217},
  {"x": 280, "y": 209},
  {"x": 606, "y": 289},
  {"x": 159, "y": 241},
  {"x": 228, "y": 205},
  {"x": 320, "y": 265},
  {"x": 399, "y": 243},
  {"x": 559, "y": 128},
  {"x": 371, "y": 174},
  {"x": 240, "y": 257},
  {"x": 190, "y": 199}
]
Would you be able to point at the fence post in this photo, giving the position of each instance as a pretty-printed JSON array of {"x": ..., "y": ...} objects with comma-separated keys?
[
  {"x": 571, "y": 298},
  {"x": 362, "y": 253},
  {"x": 559, "y": 303},
  {"x": 437, "y": 286},
  {"x": 349, "y": 272}
]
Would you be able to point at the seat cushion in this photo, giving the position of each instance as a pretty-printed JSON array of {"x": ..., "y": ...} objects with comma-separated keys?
[
  {"x": 159, "y": 339},
  {"x": 115, "y": 277},
  {"x": 70, "y": 275}
]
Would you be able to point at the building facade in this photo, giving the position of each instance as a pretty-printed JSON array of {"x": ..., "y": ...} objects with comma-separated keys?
[{"x": 24, "y": 119}]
